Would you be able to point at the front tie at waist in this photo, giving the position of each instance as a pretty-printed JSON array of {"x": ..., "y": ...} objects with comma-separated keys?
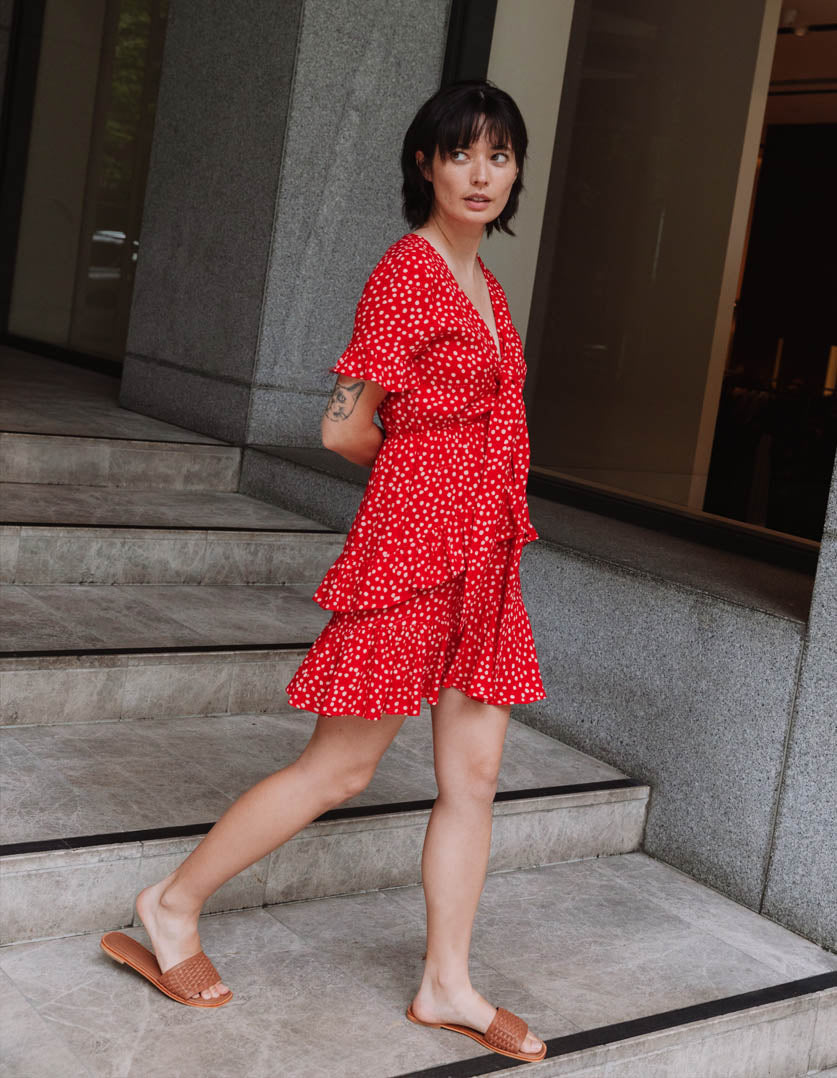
[{"x": 501, "y": 487}]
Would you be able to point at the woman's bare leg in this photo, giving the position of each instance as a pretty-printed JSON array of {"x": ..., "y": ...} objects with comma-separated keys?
[
  {"x": 337, "y": 763},
  {"x": 468, "y": 738}
]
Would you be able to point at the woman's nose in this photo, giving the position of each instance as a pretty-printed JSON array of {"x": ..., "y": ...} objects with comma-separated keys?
[{"x": 479, "y": 171}]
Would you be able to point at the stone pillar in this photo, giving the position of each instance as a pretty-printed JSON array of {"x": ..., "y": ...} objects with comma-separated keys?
[
  {"x": 801, "y": 891},
  {"x": 274, "y": 186}
]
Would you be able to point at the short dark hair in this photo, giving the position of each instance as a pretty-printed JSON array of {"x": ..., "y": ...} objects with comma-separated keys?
[{"x": 453, "y": 117}]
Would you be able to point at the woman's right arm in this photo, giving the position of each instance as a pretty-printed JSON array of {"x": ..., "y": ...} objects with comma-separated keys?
[
  {"x": 392, "y": 325},
  {"x": 347, "y": 427}
]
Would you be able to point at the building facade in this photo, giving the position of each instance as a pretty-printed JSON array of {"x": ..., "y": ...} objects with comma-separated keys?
[{"x": 683, "y": 595}]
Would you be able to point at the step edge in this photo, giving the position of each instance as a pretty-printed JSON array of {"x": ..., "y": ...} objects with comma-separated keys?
[
  {"x": 117, "y": 440},
  {"x": 519, "y": 801},
  {"x": 760, "y": 1001}
]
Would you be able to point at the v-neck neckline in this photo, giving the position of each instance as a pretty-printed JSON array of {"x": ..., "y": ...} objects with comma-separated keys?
[{"x": 496, "y": 343}]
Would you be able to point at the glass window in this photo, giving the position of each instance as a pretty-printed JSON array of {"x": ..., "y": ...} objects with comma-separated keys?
[
  {"x": 84, "y": 172},
  {"x": 673, "y": 266}
]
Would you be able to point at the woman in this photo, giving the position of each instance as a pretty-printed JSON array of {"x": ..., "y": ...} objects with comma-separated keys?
[{"x": 426, "y": 594}]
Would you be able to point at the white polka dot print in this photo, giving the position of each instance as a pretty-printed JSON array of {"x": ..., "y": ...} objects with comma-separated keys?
[{"x": 426, "y": 591}]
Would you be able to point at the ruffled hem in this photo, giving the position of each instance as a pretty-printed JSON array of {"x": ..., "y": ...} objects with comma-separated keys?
[
  {"x": 376, "y": 662},
  {"x": 394, "y": 565},
  {"x": 411, "y": 706},
  {"x": 372, "y": 663}
]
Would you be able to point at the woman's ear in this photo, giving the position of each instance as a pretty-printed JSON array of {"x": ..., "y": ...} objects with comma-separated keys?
[{"x": 421, "y": 165}]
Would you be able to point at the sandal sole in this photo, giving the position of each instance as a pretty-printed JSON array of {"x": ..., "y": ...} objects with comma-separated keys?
[
  {"x": 475, "y": 1034},
  {"x": 132, "y": 953}
]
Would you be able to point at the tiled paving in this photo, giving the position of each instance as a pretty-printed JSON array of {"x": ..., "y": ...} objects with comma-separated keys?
[{"x": 320, "y": 986}]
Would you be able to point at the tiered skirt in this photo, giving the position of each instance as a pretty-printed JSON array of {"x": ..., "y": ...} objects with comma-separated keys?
[{"x": 383, "y": 661}]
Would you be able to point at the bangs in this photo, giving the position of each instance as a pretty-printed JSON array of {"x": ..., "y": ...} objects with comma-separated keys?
[{"x": 465, "y": 127}]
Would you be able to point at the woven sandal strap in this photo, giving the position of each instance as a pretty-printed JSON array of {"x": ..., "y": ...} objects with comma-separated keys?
[
  {"x": 191, "y": 975},
  {"x": 507, "y": 1031}
]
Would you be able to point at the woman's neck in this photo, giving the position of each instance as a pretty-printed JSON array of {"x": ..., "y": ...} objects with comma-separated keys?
[{"x": 459, "y": 246}]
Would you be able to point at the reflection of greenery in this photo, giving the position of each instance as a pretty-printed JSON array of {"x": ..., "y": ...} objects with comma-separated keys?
[{"x": 128, "y": 93}]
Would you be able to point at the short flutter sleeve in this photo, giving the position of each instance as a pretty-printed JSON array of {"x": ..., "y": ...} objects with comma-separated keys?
[{"x": 393, "y": 321}]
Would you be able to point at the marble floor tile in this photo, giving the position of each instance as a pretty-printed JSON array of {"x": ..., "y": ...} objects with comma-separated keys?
[
  {"x": 614, "y": 954},
  {"x": 29, "y": 623},
  {"x": 789, "y": 954},
  {"x": 40, "y": 503},
  {"x": 45, "y": 396},
  {"x": 824, "y": 1046},
  {"x": 29, "y": 1044},
  {"x": 320, "y": 986},
  {"x": 54, "y": 617},
  {"x": 158, "y": 768}
]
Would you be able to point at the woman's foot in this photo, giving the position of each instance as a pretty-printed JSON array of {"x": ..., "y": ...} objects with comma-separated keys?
[
  {"x": 465, "y": 1007},
  {"x": 173, "y": 933}
]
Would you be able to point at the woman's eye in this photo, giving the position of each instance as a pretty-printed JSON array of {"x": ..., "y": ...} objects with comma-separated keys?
[{"x": 500, "y": 153}]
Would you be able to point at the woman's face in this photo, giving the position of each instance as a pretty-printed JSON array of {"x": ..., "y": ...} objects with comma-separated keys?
[{"x": 472, "y": 186}]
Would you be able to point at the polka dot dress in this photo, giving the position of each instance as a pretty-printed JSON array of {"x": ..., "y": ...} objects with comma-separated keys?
[{"x": 426, "y": 591}]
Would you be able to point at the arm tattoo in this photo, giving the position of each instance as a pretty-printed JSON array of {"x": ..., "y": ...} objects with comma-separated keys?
[{"x": 342, "y": 401}]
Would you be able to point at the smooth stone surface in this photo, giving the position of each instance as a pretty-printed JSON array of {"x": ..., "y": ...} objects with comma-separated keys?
[
  {"x": 771, "y": 1040},
  {"x": 101, "y": 462},
  {"x": 159, "y": 769},
  {"x": 616, "y": 955},
  {"x": 92, "y": 616},
  {"x": 789, "y": 954},
  {"x": 40, "y": 395},
  {"x": 36, "y": 503},
  {"x": 310, "y": 975},
  {"x": 102, "y": 688},
  {"x": 824, "y": 1045},
  {"x": 57, "y": 554},
  {"x": 277, "y": 477},
  {"x": 31, "y": 1045}
]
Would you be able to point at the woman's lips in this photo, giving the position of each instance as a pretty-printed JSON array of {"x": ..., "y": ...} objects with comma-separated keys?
[{"x": 477, "y": 203}]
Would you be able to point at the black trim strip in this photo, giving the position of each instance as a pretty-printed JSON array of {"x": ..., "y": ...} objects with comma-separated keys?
[
  {"x": 123, "y": 438},
  {"x": 342, "y": 812},
  {"x": 804, "y": 81},
  {"x": 815, "y": 27},
  {"x": 23, "y": 59},
  {"x": 797, "y": 93},
  {"x": 635, "y": 1027},
  {"x": 468, "y": 45},
  {"x": 291, "y": 645}
]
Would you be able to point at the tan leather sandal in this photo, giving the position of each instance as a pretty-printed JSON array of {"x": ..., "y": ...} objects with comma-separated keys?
[
  {"x": 191, "y": 975},
  {"x": 505, "y": 1034}
]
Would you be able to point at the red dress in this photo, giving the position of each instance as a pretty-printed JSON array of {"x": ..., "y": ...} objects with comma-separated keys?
[{"x": 426, "y": 591}]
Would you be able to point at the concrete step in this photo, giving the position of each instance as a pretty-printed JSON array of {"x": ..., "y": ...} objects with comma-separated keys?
[
  {"x": 118, "y": 462},
  {"x": 624, "y": 966},
  {"x": 72, "y": 504},
  {"x": 96, "y": 811},
  {"x": 55, "y": 554},
  {"x": 39, "y": 395},
  {"x": 111, "y": 685},
  {"x": 83, "y": 620}
]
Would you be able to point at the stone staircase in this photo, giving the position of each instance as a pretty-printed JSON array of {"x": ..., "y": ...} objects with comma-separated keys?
[{"x": 151, "y": 618}]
